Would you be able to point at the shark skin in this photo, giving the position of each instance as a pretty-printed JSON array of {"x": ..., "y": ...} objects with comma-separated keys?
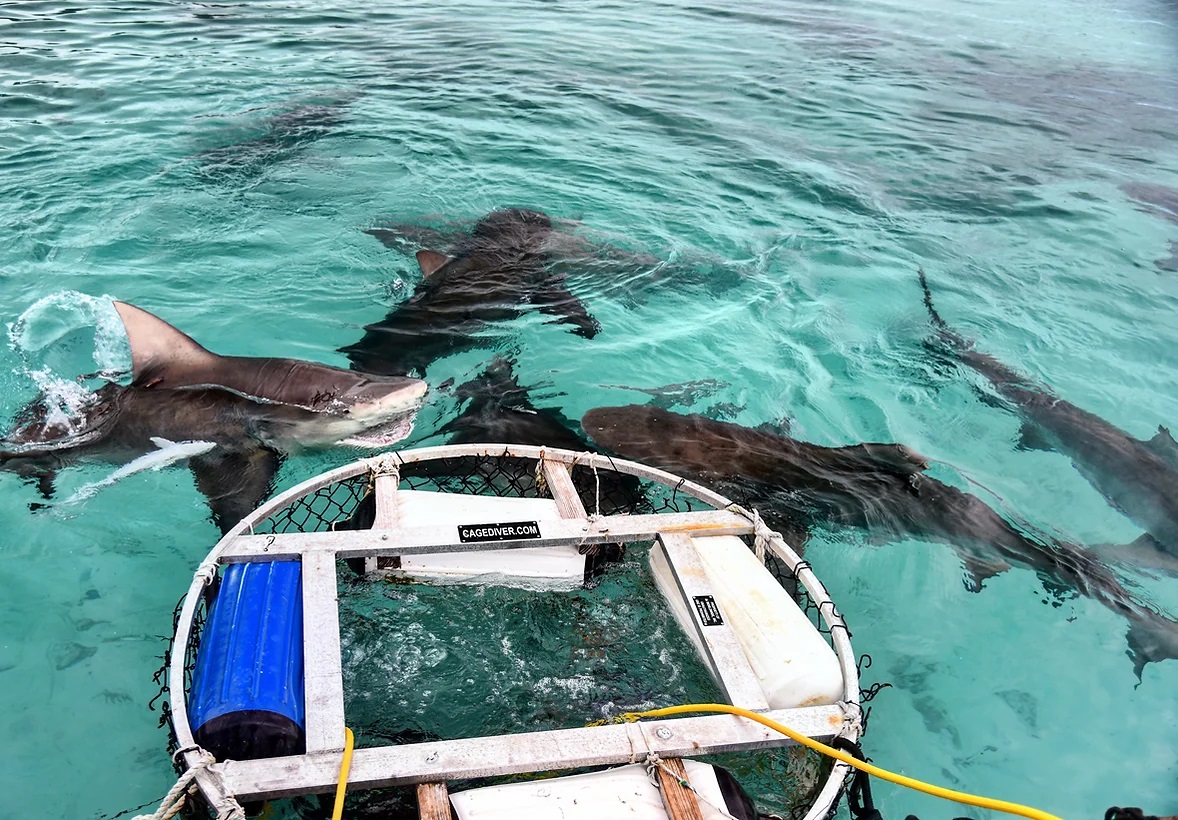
[
  {"x": 1139, "y": 478},
  {"x": 879, "y": 488},
  {"x": 255, "y": 410},
  {"x": 495, "y": 274}
]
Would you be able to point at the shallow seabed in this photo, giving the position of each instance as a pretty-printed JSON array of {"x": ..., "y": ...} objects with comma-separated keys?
[{"x": 795, "y": 161}]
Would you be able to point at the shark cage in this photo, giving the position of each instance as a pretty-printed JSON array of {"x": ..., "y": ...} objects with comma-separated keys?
[{"x": 383, "y": 601}]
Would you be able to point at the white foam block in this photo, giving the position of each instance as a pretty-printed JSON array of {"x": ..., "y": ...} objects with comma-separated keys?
[{"x": 548, "y": 567}]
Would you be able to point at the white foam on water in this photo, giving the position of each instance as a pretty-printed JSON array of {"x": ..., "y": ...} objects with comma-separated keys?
[
  {"x": 51, "y": 329},
  {"x": 57, "y": 338}
]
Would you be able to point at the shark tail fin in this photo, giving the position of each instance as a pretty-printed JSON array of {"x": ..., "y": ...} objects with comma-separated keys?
[
  {"x": 1152, "y": 637},
  {"x": 945, "y": 333},
  {"x": 928, "y": 301},
  {"x": 160, "y": 352}
]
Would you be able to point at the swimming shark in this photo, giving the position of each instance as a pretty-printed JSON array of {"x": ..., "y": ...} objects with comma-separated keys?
[
  {"x": 880, "y": 488},
  {"x": 1162, "y": 202},
  {"x": 1139, "y": 478},
  {"x": 280, "y": 137},
  {"x": 496, "y": 273},
  {"x": 255, "y": 410}
]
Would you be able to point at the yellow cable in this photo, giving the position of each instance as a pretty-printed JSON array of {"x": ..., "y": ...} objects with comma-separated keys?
[
  {"x": 882, "y": 774},
  {"x": 344, "y": 766}
]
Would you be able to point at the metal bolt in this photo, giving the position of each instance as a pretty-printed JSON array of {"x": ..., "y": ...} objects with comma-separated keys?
[
  {"x": 384, "y": 537},
  {"x": 664, "y": 733}
]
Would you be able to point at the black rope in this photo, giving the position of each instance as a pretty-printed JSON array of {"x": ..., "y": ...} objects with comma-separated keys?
[
  {"x": 125, "y": 812},
  {"x": 868, "y": 694},
  {"x": 1128, "y": 813},
  {"x": 859, "y": 799}
]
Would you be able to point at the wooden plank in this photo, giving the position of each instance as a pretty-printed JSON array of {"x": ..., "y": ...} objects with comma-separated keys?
[
  {"x": 727, "y": 658},
  {"x": 678, "y": 800},
  {"x": 433, "y": 801},
  {"x": 560, "y": 484},
  {"x": 323, "y": 669},
  {"x": 387, "y": 513},
  {"x": 445, "y": 760},
  {"x": 444, "y": 538}
]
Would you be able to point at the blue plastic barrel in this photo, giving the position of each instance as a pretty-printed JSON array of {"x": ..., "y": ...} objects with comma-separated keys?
[{"x": 246, "y": 700}]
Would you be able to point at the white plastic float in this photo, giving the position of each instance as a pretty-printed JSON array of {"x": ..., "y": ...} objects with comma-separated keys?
[{"x": 708, "y": 560}]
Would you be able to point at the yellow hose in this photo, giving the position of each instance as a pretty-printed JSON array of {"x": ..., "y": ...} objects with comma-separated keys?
[
  {"x": 882, "y": 774},
  {"x": 344, "y": 766}
]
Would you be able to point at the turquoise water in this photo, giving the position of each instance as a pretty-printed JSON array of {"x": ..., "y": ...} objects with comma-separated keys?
[{"x": 801, "y": 159}]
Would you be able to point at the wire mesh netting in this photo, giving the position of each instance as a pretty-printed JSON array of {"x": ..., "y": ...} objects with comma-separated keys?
[{"x": 602, "y": 491}]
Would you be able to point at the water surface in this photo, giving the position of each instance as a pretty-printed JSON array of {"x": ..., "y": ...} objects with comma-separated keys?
[{"x": 217, "y": 164}]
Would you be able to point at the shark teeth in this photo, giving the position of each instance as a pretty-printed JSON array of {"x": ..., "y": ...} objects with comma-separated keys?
[{"x": 386, "y": 434}]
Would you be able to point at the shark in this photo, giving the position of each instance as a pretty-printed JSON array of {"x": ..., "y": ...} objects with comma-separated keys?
[
  {"x": 279, "y": 138},
  {"x": 1139, "y": 478},
  {"x": 879, "y": 488},
  {"x": 1162, "y": 202},
  {"x": 255, "y": 410},
  {"x": 496, "y": 273}
]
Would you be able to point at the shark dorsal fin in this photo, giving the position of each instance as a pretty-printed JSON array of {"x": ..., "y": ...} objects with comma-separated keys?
[
  {"x": 160, "y": 352},
  {"x": 1164, "y": 446},
  {"x": 431, "y": 261}
]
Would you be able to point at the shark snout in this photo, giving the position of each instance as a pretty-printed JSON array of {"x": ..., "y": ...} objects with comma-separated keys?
[{"x": 383, "y": 398}]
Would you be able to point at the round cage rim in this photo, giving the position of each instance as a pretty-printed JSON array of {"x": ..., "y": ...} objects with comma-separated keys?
[{"x": 390, "y": 461}]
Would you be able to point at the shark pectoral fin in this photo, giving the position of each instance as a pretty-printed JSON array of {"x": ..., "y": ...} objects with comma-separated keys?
[
  {"x": 1031, "y": 437},
  {"x": 43, "y": 478},
  {"x": 979, "y": 569},
  {"x": 235, "y": 482},
  {"x": 1170, "y": 263},
  {"x": 431, "y": 261},
  {"x": 1164, "y": 446},
  {"x": 399, "y": 237},
  {"x": 1152, "y": 637},
  {"x": 557, "y": 300},
  {"x": 1144, "y": 552}
]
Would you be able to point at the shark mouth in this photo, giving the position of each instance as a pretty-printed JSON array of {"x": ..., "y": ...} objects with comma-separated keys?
[{"x": 386, "y": 434}]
